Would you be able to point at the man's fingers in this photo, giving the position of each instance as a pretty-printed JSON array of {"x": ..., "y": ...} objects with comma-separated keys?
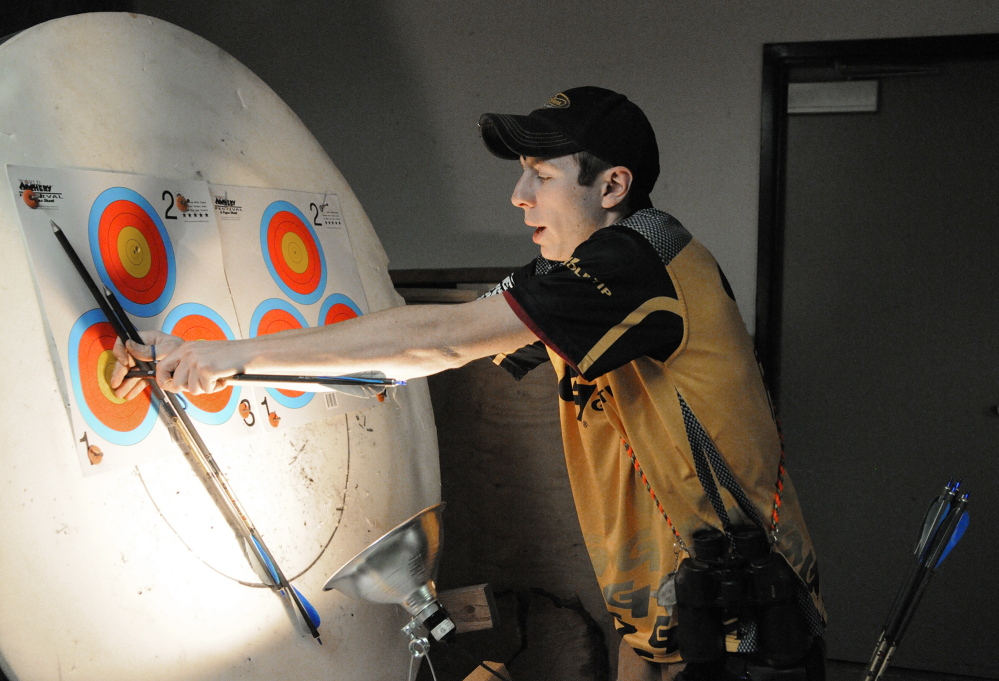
[
  {"x": 118, "y": 375},
  {"x": 140, "y": 351},
  {"x": 136, "y": 389},
  {"x": 121, "y": 355},
  {"x": 176, "y": 370},
  {"x": 122, "y": 363},
  {"x": 165, "y": 375},
  {"x": 198, "y": 381},
  {"x": 184, "y": 367}
]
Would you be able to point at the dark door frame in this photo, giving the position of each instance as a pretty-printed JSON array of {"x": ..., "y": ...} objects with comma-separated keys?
[{"x": 778, "y": 61}]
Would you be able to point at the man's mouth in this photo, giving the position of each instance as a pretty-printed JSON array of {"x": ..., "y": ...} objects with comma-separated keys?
[{"x": 537, "y": 232}]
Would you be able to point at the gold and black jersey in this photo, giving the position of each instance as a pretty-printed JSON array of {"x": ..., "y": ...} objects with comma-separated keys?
[{"x": 650, "y": 351}]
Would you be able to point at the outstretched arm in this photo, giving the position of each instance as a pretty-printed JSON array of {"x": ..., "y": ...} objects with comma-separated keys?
[{"x": 403, "y": 342}]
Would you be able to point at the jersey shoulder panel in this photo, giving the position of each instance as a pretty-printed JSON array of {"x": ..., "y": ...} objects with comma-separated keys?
[{"x": 663, "y": 231}]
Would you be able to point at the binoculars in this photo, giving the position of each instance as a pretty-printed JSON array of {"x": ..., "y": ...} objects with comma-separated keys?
[{"x": 739, "y": 580}]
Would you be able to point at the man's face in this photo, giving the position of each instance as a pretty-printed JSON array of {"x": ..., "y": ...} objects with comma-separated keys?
[{"x": 563, "y": 213}]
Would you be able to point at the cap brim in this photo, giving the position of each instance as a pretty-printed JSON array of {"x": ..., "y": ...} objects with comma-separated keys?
[{"x": 510, "y": 137}]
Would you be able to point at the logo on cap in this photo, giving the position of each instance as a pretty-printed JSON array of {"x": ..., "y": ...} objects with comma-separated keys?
[{"x": 559, "y": 101}]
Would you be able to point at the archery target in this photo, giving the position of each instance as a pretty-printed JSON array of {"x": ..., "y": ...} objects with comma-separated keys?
[
  {"x": 271, "y": 316},
  {"x": 91, "y": 363},
  {"x": 193, "y": 321},
  {"x": 338, "y": 308},
  {"x": 132, "y": 251},
  {"x": 292, "y": 253}
]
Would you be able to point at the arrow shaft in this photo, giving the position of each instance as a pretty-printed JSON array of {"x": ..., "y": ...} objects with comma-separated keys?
[{"x": 317, "y": 383}]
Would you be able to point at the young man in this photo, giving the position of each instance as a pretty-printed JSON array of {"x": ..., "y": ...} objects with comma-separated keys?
[{"x": 666, "y": 424}]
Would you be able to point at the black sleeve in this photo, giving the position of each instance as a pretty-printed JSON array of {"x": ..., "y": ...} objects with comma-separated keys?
[
  {"x": 519, "y": 362},
  {"x": 612, "y": 302},
  {"x": 523, "y": 360}
]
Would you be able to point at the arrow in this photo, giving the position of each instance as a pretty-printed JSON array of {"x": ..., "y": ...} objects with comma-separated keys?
[
  {"x": 935, "y": 514},
  {"x": 945, "y": 523},
  {"x": 361, "y": 385},
  {"x": 184, "y": 433}
]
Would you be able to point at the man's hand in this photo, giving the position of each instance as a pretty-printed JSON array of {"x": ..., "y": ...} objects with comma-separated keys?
[
  {"x": 194, "y": 367},
  {"x": 198, "y": 367},
  {"x": 157, "y": 345}
]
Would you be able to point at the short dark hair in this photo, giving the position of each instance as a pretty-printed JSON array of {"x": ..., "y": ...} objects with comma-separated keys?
[{"x": 590, "y": 168}]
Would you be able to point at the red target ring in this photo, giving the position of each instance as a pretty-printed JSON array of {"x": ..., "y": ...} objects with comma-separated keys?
[
  {"x": 274, "y": 321},
  {"x": 133, "y": 252},
  {"x": 293, "y": 251},
  {"x": 338, "y": 308},
  {"x": 198, "y": 327},
  {"x": 95, "y": 364},
  {"x": 338, "y": 313},
  {"x": 277, "y": 320}
]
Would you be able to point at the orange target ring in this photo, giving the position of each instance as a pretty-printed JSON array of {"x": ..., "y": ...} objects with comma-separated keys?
[
  {"x": 272, "y": 316},
  {"x": 292, "y": 253},
  {"x": 91, "y": 365}
]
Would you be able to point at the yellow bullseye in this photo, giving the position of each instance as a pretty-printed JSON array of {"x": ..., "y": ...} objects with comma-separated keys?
[
  {"x": 105, "y": 367},
  {"x": 296, "y": 255},
  {"x": 133, "y": 252}
]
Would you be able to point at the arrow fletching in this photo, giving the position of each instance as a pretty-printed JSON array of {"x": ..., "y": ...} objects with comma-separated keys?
[
  {"x": 269, "y": 575},
  {"x": 309, "y": 609},
  {"x": 267, "y": 572},
  {"x": 962, "y": 525},
  {"x": 934, "y": 516}
]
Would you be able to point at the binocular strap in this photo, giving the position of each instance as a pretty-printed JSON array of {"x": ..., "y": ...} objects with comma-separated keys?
[{"x": 710, "y": 465}]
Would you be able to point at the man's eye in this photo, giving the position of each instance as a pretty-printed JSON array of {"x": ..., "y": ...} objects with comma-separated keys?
[{"x": 544, "y": 177}]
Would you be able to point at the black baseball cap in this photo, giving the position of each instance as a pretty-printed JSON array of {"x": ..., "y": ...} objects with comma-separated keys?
[{"x": 593, "y": 119}]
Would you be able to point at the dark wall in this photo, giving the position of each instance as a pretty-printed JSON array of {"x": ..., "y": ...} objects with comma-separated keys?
[
  {"x": 888, "y": 371},
  {"x": 17, "y": 16}
]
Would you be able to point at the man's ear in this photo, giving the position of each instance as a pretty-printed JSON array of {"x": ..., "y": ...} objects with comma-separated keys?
[{"x": 617, "y": 184}]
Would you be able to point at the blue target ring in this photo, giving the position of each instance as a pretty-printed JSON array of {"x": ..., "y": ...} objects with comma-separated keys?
[
  {"x": 275, "y": 315},
  {"x": 205, "y": 408}
]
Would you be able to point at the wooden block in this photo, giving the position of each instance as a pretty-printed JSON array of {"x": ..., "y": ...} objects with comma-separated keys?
[
  {"x": 472, "y": 608},
  {"x": 460, "y": 275},
  {"x": 436, "y": 295},
  {"x": 481, "y": 674}
]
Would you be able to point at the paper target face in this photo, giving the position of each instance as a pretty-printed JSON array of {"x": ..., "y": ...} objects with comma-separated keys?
[
  {"x": 292, "y": 253},
  {"x": 193, "y": 321},
  {"x": 338, "y": 308},
  {"x": 271, "y": 316},
  {"x": 91, "y": 363},
  {"x": 132, "y": 251}
]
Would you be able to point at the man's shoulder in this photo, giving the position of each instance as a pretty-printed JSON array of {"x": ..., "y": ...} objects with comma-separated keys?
[{"x": 660, "y": 229}]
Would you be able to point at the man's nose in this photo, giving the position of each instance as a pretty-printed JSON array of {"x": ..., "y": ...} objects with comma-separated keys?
[{"x": 522, "y": 197}]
